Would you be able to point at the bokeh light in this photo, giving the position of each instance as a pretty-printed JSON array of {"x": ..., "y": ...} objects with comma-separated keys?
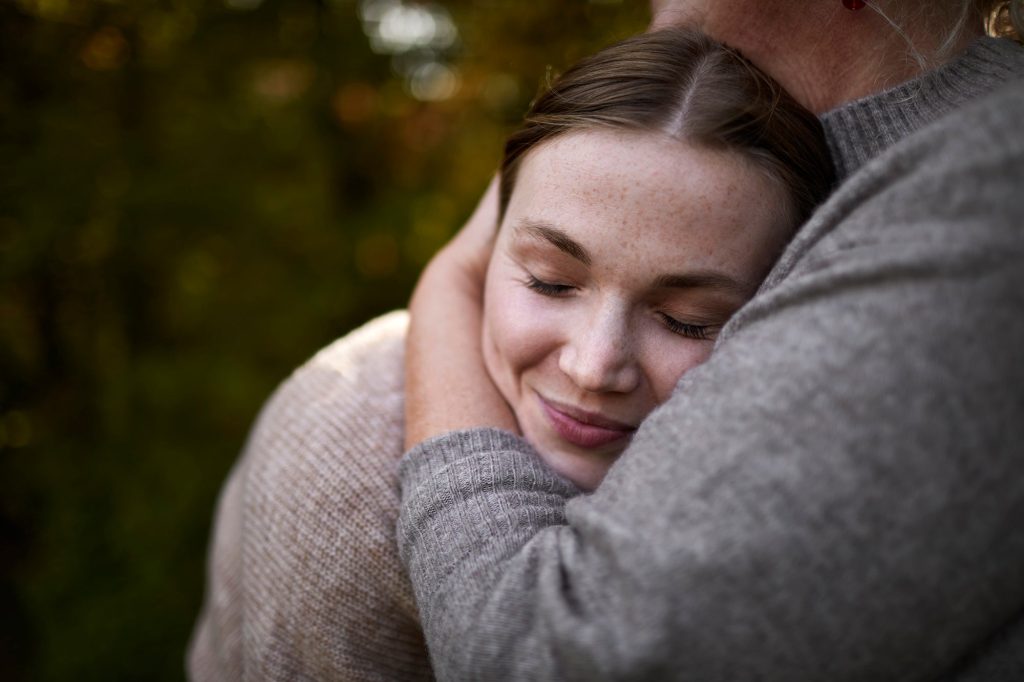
[{"x": 418, "y": 36}]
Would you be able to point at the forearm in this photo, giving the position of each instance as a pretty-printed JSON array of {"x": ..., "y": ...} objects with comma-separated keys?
[
  {"x": 447, "y": 385},
  {"x": 474, "y": 470}
]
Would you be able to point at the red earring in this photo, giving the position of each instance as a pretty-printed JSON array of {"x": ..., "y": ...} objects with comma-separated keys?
[{"x": 854, "y": 5}]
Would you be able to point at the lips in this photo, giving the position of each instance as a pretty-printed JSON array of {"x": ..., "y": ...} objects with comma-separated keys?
[{"x": 584, "y": 429}]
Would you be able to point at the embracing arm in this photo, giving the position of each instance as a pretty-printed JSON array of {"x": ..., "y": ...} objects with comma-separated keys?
[
  {"x": 447, "y": 386},
  {"x": 835, "y": 495}
]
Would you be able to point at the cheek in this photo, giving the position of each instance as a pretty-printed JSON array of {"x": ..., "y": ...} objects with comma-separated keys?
[
  {"x": 666, "y": 366},
  {"x": 519, "y": 333}
]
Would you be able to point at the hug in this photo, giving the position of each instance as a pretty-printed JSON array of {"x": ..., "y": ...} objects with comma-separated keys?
[{"x": 722, "y": 381}]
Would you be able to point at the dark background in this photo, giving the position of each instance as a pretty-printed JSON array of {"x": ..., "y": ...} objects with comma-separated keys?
[{"x": 196, "y": 195}]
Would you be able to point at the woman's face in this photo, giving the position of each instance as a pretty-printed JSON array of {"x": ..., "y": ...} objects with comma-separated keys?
[{"x": 620, "y": 257}]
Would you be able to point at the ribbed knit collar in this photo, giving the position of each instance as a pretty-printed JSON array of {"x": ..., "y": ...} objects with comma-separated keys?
[{"x": 859, "y": 130}]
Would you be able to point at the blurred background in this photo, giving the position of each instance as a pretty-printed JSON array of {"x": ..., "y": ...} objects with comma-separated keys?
[{"x": 196, "y": 195}]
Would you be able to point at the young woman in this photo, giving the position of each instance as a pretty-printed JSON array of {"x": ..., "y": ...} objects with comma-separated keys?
[{"x": 644, "y": 199}]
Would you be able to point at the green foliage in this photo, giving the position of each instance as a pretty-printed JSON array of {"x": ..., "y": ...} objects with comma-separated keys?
[{"x": 194, "y": 197}]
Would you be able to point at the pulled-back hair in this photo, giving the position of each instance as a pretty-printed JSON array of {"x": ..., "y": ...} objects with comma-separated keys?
[{"x": 683, "y": 84}]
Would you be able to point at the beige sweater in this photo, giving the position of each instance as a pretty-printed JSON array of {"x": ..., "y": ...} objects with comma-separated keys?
[{"x": 304, "y": 581}]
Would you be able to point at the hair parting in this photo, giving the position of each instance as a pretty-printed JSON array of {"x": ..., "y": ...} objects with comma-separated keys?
[{"x": 682, "y": 84}]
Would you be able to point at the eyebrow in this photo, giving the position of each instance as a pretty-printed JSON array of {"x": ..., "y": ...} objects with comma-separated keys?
[
  {"x": 557, "y": 238},
  {"x": 702, "y": 279}
]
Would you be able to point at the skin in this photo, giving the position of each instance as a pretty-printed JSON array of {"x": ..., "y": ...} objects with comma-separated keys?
[
  {"x": 820, "y": 52},
  {"x": 621, "y": 256},
  {"x": 823, "y": 54}
]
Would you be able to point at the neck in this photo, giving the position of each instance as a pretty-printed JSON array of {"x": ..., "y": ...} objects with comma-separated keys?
[{"x": 822, "y": 53}]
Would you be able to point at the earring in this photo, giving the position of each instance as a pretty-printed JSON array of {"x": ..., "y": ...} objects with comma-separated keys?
[{"x": 854, "y": 5}]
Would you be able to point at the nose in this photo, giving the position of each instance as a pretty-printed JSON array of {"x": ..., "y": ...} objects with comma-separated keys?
[{"x": 599, "y": 355}]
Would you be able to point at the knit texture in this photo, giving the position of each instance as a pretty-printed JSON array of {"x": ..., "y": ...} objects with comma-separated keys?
[
  {"x": 860, "y": 130},
  {"x": 304, "y": 579},
  {"x": 835, "y": 495}
]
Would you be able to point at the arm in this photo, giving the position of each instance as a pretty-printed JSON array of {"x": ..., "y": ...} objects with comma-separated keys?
[
  {"x": 834, "y": 495},
  {"x": 447, "y": 385}
]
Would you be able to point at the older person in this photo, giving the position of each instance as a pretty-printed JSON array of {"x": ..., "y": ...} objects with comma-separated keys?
[{"x": 837, "y": 493}]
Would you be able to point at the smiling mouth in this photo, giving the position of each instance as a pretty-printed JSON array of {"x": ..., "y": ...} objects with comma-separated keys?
[{"x": 584, "y": 429}]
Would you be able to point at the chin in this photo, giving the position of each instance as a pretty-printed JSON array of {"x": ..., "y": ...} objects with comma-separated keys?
[
  {"x": 586, "y": 478},
  {"x": 586, "y": 470}
]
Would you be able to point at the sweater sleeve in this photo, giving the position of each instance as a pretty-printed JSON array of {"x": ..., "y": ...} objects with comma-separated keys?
[{"x": 835, "y": 495}]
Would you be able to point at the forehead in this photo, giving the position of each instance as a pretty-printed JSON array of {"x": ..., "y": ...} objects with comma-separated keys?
[{"x": 626, "y": 192}]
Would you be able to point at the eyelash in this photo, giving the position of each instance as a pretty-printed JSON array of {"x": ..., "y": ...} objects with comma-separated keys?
[
  {"x": 547, "y": 288},
  {"x": 690, "y": 331}
]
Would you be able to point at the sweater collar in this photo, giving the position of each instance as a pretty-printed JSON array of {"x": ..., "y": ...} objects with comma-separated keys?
[{"x": 860, "y": 130}]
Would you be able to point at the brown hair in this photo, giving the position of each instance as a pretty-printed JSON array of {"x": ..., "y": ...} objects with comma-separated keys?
[{"x": 682, "y": 83}]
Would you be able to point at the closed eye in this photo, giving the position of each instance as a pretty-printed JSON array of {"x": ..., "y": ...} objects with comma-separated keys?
[
  {"x": 547, "y": 288},
  {"x": 698, "y": 332}
]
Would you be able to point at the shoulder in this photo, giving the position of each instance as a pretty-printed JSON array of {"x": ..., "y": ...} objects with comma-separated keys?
[
  {"x": 953, "y": 186},
  {"x": 354, "y": 384},
  {"x": 332, "y": 431},
  {"x": 320, "y": 502},
  {"x": 907, "y": 284},
  {"x": 368, "y": 358},
  {"x": 307, "y": 517},
  {"x": 363, "y": 354},
  {"x": 946, "y": 196},
  {"x": 978, "y": 143}
]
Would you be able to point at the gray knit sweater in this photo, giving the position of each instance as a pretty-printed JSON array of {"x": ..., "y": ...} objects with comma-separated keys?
[{"x": 838, "y": 494}]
